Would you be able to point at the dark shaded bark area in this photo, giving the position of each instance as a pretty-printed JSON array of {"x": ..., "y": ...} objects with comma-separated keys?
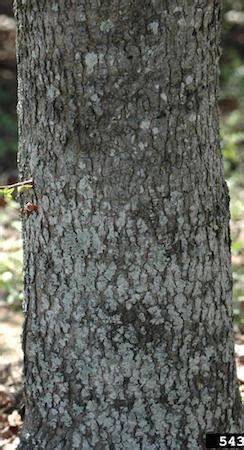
[{"x": 128, "y": 333}]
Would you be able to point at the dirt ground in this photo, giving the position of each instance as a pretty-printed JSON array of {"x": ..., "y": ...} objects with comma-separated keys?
[
  {"x": 10, "y": 335},
  {"x": 11, "y": 392}
]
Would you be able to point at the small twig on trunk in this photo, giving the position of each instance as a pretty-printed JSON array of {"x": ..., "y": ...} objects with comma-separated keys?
[{"x": 21, "y": 183}]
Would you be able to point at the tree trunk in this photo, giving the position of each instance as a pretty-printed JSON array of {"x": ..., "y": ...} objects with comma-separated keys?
[{"x": 128, "y": 337}]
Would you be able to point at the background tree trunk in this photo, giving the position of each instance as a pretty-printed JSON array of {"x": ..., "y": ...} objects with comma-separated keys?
[{"x": 128, "y": 335}]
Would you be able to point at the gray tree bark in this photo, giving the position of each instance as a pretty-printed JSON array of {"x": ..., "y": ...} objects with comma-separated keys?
[{"x": 128, "y": 337}]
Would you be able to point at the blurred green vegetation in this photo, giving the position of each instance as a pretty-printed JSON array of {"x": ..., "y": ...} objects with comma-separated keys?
[
  {"x": 11, "y": 283},
  {"x": 8, "y": 122},
  {"x": 232, "y": 134}
]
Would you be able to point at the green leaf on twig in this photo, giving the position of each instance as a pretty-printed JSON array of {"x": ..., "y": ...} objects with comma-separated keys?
[{"x": 24, "y": 188}]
